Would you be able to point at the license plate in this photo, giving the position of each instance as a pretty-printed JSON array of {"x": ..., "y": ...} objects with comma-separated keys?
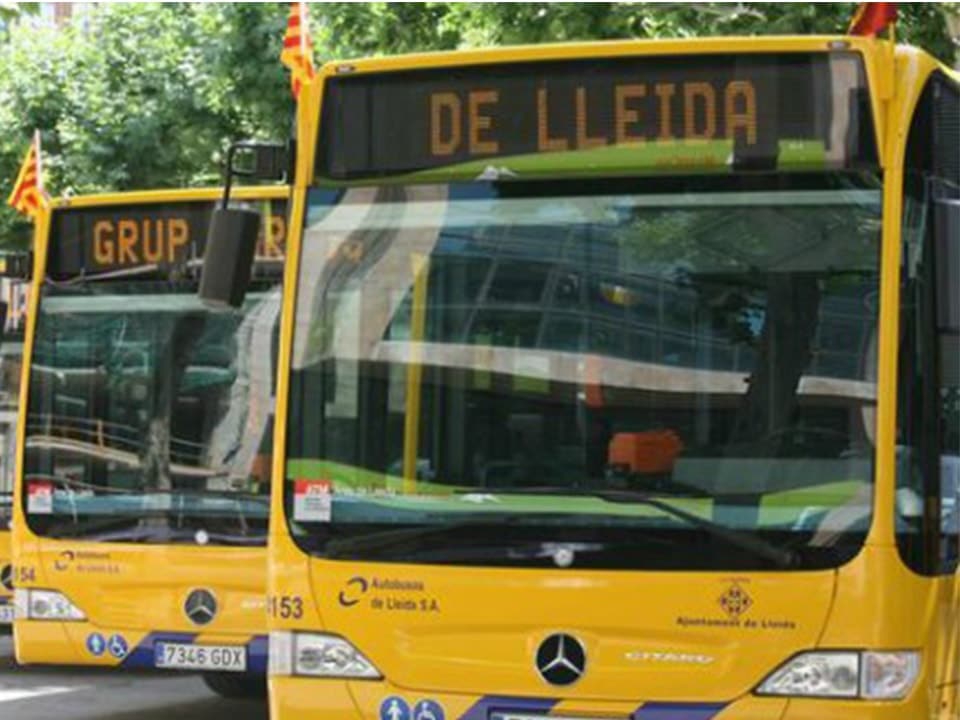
[
  {"x": 223, "y": 658},
  {"x": 6, "y": 614}
]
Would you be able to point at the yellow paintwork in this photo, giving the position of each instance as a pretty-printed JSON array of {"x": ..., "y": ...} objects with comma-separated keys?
[
  {"x": 130, "y": 590},
  {"x": 467, "y": 650}
]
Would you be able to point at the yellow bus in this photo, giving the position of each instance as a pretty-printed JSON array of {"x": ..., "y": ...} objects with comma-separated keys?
[
  {"x": 141, "y": 504},
  {"x": 619, "y": 380},
  {"x": 13, "y": 295}
]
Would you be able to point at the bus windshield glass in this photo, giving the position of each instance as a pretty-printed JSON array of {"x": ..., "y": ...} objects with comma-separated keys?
[
  {"x": 148, "y": 414},
  {"x": 676, "y": 373}
]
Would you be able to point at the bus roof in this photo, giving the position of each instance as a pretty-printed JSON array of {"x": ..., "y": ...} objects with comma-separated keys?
[
  {"x": 611, "y": 49},
  {"x": 141, "y": 197}
]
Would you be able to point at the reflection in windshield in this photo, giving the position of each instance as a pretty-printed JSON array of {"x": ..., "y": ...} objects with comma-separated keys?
[
  {"x": 456, "y": 345},
  {"x": 144, "y": 404},
  {"x": 11, "y": 354}
]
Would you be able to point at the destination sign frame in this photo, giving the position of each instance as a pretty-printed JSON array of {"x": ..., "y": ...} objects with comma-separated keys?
[
  {"x": 638, "y": 114},
  {"x": 105, "y": 240}
]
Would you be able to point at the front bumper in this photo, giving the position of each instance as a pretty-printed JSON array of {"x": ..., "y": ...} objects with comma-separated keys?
[
  {"x": 292, "y": 698},
  {"x": 84, "y": 643}
]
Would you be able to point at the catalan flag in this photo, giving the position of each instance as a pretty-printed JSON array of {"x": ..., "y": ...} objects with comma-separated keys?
[
  {"x": 297, "y": 53},
  {"x": 28, "y": 195},
  {"x": 872, "y": 17}
]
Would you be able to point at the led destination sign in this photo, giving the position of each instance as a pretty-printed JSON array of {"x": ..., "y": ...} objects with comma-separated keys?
[
  {"x": 103, "y": 239},
  {"x": 747, "y": 110}
]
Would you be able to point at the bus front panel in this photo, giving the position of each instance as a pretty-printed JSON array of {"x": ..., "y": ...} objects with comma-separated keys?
[
  {"x": 143, "y": 492},
  {"x": 580, "y": 400}
]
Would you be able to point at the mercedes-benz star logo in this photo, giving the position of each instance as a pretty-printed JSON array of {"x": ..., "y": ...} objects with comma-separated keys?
[
  {"x": 6, "y": 577},
  {"x": 561, "y": 659},
  {"x": 200, "y": 606}
]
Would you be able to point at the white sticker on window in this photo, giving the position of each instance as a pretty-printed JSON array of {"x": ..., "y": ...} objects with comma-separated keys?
[
  {"x": 312, "y": 500},
  {"x": 40, "y": 498}
]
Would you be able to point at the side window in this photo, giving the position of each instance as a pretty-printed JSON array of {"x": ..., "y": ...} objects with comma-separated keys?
[
  {"x": 946, "y": 164},
  {"x": 928, "y": 423}
]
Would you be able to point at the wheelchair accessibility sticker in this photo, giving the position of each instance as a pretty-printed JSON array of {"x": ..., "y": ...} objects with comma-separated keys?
[
  {"x": 117, "y": 646},
  {"x": 428, "y": 710}
]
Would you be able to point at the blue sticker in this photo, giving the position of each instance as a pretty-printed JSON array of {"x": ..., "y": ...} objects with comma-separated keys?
[
  {"x": 96, "y": 644},
  {"x": 117, "y": 646},
  {"x": 428, "y": 710},
  {"x": 394, "y": 708}
]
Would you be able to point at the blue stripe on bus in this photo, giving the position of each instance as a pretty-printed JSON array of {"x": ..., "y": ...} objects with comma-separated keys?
[
  {"x": 677, "y": 711},
  {"x": 485, "y": 706},
  {"x": 481, "y": 709},
  {"x": 142, "y": 656},
  {"x": 258, "y": 650}
]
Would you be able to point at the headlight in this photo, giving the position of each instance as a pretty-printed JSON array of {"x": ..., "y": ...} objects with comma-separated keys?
[
  {"x": 318, "y": 655},
  {"x": 845, "y": 674},
  {"x": 816, "y": 674},
  {"x": 45, "y": 605}
]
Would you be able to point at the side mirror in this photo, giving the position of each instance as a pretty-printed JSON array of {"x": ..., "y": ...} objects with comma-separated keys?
[
  {"x": 16, "y": 266},
  {"x": 946, "y": 226},
  {"x": 232, "y": 238},
  {"x": 228, "y": 257},
  {"x": 3, "y": 319}
]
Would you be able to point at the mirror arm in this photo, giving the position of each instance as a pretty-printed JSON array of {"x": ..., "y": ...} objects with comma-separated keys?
[{"x": 228, "y": 176}]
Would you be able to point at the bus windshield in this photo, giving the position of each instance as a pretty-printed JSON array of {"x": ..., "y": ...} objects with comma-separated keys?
[
  {"x": 676, "y": 373},
  {"x": 148, "y": 414}
]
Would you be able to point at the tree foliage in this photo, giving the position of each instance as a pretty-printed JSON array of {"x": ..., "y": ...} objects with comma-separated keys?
[
  {"x": 351, "y": 29},
  {"x": 139, "y": 95},
  {"x": 148, "y": 95}
]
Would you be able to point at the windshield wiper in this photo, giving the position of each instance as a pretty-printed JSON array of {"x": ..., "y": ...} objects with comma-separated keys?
[
  {"x": 751, "y": 543},
  {"x": 77, "y": 529},
  {"x": 226, "y": 494},
  {"x": 146, "y": 528},
  {"x": 398, "y": 539},
  {"x": 169, "y": 534}
]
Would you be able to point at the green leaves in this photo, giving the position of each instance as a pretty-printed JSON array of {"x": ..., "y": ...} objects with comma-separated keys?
[
  {"x": 139, "y": 95},
  {"x": 358, "y": 29}
]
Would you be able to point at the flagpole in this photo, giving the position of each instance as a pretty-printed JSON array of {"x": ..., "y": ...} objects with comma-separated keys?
[
  {"x": 36, "y": 149},
  {"x": 303, "y": 28}
]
